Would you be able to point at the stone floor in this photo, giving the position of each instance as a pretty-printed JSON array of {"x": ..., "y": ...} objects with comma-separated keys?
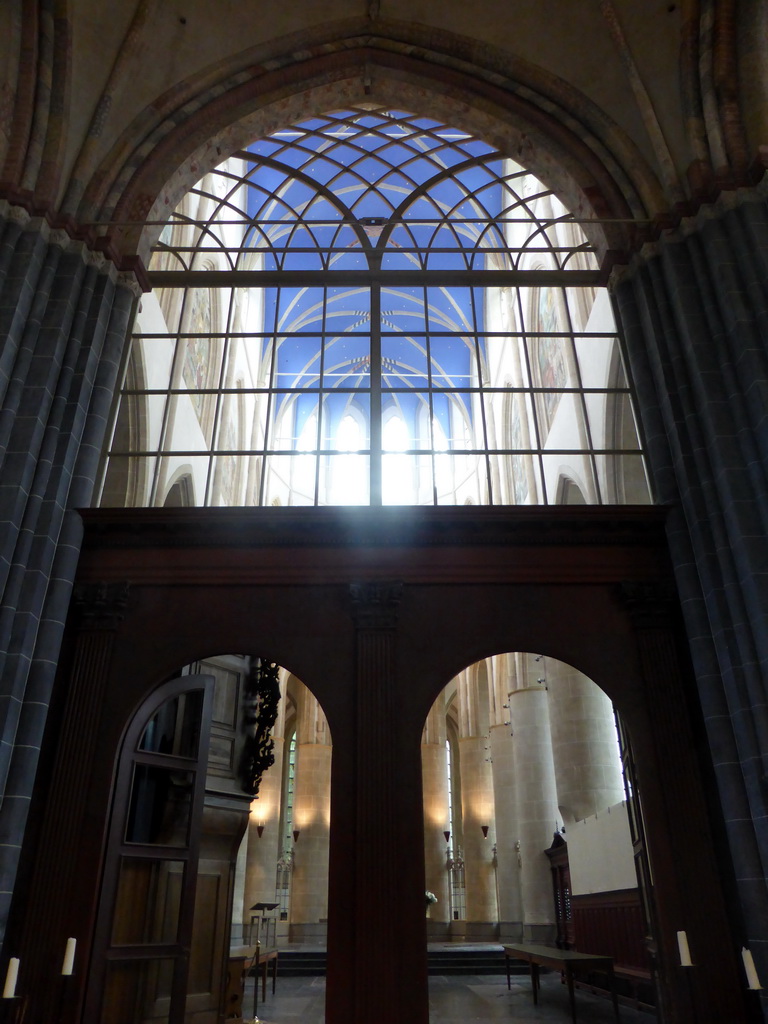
[{"x": 454, "y": 999}]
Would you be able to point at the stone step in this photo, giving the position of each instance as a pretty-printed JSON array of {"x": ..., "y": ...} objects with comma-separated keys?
[
  {"x": 466, "y": 961},
  {"x": 294, "y": 963},
  {"x": 312, "y": 963}
]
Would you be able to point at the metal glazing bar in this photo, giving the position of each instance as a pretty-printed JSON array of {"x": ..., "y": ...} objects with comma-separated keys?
[
  {"x": 484, "y": 250},
  {"x": 165, "y": 335},
  {"x": 375, "y": 425},
  {"x": 365, "y": 278},
  {"x": 293, "y": 453},
  {"x": 432, "y": 389},
  {"x": 177, "y": 220}
]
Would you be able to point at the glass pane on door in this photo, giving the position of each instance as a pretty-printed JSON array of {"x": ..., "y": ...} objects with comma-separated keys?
[
  {"x": 138, "y": 991},
  {"x": 175, "y": 727},
  {"x": 159, "y": 807},
  {"x": 148, "y": 901}
]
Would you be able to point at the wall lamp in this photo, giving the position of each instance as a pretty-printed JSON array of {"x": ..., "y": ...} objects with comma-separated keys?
[
  {"x": 296, "y": 834},
  {"x": 484, "y": 829}
]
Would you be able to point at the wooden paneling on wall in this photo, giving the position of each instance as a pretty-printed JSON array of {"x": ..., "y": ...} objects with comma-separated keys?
[
  {"x": 612, "y": 923},
  {"x": 469, "y": 582}
]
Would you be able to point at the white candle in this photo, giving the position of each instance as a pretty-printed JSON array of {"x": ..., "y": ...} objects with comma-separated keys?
[
  {"x": 69, "y": 956},
  {"x": 10, "y": 979},
  {"x": 749, "y": 967},
  {"x": 685, "y": 953}
]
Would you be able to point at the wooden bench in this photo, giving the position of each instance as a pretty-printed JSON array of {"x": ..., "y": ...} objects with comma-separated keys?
[{"x": 636, "y": 978}]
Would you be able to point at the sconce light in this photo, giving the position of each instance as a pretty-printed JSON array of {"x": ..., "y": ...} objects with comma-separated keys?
[
  {"x": 484, "y": 829},
  {"x": 260, "y": 830},
  {"x": 447, "y": 835},
  {"x": 296, "y": 833}
]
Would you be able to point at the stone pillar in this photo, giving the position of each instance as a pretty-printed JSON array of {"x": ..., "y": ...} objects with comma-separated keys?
[
  {"x": 263, "y": 851},
  {"x": 311, "y": 818},
  {"x": 584, "y": 743},
  {"x": 536, "y": 800},
  {"x": 434, "y": 770},
  {"x": 64, "y": 317},
  {"x": 692, "y": 309},
  {"x": 477, "y": 803},
  {"x": 238, "y": 933},
  {"x": 507, "y": 831}
]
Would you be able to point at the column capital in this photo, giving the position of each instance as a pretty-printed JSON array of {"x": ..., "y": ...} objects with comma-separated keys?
[
  {"x": 649, "y": 604},
  {"x": 375, "y": 605},
  {"x": 101, "y": 605}
]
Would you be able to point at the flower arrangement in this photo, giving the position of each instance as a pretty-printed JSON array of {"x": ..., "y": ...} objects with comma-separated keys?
[{"x": 430, "y": 897}]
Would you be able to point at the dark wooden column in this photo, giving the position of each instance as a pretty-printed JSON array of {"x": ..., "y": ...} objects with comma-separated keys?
[
  {"x": 383, "y": 967},
  {"x": 70, "y": 845},
  {"x": 688, "y": 889}
]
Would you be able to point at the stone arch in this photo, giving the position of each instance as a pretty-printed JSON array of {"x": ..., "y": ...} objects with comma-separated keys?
[
  {"x": 569, "y": 492},
  {"x": 181, "y": 490},
  {"x": 529, "y": 113}
]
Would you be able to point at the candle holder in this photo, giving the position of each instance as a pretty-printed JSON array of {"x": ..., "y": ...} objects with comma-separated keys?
[{"x": 13, "y": 1009}]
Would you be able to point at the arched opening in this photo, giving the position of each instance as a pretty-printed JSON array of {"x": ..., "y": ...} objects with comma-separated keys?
[
  {"x": 199, "y": 875},
  {"x": 180, "y": 493},
  {"x": 528, "y": 838}
]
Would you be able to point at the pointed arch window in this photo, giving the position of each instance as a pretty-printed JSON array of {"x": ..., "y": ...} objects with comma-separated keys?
[{"x": 372, "y": 264}]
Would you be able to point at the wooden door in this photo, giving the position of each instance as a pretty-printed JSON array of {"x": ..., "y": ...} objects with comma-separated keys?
[{"x": 144, "y": 930}]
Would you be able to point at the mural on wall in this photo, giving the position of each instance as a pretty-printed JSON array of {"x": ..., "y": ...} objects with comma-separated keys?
[
  {"x": 519, "y": 475},
  {"x": 550, "y": 357},
  {"x": 198, "y": 351},
  {"x": 228, "y": 466}
]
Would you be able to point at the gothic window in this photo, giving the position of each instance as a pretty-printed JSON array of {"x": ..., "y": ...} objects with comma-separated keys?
[{"x": 390, "y": 280}]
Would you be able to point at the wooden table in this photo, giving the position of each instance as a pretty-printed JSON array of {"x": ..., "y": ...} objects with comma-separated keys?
[
  {"x": 242, "y": 959},
  {"x": 566, "y": 960},
  {"x": 261, "y": 962}
]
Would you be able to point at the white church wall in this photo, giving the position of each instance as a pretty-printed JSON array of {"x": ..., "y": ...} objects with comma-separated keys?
[{"x": 600, "y": 852}]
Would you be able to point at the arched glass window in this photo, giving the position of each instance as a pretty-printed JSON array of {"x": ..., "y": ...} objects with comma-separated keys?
[{"x": 387, "y": 267}]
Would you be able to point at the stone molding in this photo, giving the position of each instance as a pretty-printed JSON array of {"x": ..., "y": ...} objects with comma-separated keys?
[
  {"x": 64, "y": 232},
  {"x": 723, "y": 203}
]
